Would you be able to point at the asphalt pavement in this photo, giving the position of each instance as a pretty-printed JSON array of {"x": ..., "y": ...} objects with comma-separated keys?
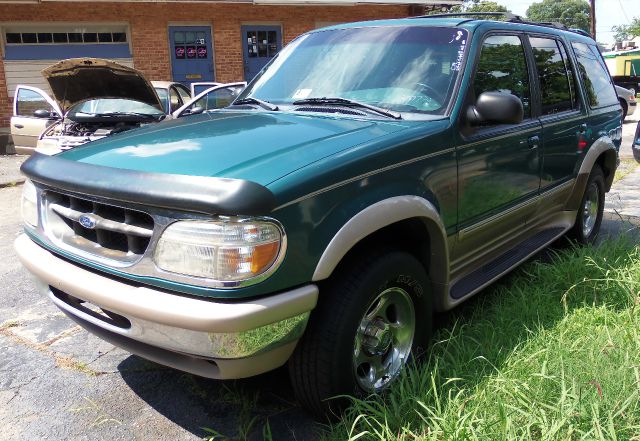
[{"x": 58, "y": 382}]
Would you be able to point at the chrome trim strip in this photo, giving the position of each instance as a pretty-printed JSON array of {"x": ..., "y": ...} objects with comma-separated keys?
[
  {"x": 364, "y": 175},
  {"x": 102, "y": 223}
]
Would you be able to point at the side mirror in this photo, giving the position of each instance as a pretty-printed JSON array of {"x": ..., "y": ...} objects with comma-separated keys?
[
  {"x": 42, "y": 113},
  {"x": 496, "y": 108},
  {"x": 197, "y": 110},
  {"x": 636, "y": 139}
]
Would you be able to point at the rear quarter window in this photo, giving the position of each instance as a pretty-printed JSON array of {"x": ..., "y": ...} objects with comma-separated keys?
[{"x": 595, "y": 76}]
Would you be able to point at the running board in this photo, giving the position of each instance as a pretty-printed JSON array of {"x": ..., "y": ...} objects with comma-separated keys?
[{"x": 504, "y": 263}]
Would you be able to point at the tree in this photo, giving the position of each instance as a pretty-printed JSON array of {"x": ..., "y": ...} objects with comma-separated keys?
[
  {"x": 571, "y": 13},
  {"x": 476, "y": 6},
  {"x": 483, "y": 6},
  {"x": 627, "y": 32}
]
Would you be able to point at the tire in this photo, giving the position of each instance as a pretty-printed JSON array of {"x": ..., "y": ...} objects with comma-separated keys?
[
  {"x": 585, "y": 230},
  {"x": 623, "y": 104},
  {"x": 335, "y": 353}
]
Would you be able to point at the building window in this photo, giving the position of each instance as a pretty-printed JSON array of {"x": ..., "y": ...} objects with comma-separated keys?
[{"x": 64, "y": 37}]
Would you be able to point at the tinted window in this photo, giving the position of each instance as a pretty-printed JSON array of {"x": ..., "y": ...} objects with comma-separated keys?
[
  {"x": 503, "y": 67},
  {"x": 553, "y": 74},
  {"x": 30, "y": 101},
  {"x": 594, "y": 74}
]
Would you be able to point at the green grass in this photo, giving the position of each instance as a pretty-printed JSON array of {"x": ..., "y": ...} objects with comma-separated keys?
[
  {"x": 550, "y": 353},
  {"x": 626, "y": 166}
]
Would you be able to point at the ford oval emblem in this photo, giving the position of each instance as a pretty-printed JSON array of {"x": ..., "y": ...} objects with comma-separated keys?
[{"x": 87, "y": 221}]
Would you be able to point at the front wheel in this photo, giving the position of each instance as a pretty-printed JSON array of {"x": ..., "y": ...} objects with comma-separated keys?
[
  {"x": 587, "y": 226},
  {"x": 370, "y": 319}
]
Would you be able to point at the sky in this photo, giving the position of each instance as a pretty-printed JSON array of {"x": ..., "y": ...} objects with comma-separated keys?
[{"x": 608, "y": 13}]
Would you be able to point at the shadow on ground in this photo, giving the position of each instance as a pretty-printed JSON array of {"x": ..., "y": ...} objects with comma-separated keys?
[{"x": 238, "y": 409}]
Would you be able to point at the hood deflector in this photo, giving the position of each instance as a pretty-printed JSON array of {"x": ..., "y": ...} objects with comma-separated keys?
[
  {"x": 79, "y": 79},
  {"x": 175, "y": 192}
]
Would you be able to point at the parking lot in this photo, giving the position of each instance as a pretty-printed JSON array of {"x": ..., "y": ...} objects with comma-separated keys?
[{"x": 59, "y": 382}]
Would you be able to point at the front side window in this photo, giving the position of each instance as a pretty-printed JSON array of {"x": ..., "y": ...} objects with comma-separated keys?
[
  {"x": 595, "y": 76},
  {"x": 556, "y": 85},
  {"x": 502, "y": 67},
  {"x": 29, "y": 101},
  {"x": 405, "y": 69}
]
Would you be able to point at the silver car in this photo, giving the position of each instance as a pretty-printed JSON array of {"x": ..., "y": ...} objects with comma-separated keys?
[
  {"x": 92, "y": 98},
  {"x": 627, "y": 101}
]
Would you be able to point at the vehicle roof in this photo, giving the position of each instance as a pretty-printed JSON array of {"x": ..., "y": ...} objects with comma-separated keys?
[{"x": 468, "y": 23}]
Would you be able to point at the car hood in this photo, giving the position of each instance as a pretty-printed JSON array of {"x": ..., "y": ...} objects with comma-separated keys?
[
  {"x": 252, "y": 145},
  {"x": 80, "y": 79}
]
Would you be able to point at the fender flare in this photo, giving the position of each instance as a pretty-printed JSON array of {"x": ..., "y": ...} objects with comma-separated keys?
[
  {"x": 379, "y": 215},
  {"x": 600, "y": 146}
]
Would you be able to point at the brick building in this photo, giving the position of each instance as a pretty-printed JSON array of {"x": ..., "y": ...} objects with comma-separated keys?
[{"x": 186, "y": 41}]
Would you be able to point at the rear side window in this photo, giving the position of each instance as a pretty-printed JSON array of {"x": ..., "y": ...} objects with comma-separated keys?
[
  {"x": 555, "y": 76},
  {"x": 594, "y": 74},
  {"x": 503, "y": 67},
  {"x": 29, "y": 101}
]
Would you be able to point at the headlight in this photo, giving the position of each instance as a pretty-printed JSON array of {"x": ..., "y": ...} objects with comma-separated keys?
[
  {"x": 29, "y": 204},
  {"x": 226, "y": 250}
]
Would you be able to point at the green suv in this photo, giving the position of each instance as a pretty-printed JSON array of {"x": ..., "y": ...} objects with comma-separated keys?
[{"x": 372, "y": 174}]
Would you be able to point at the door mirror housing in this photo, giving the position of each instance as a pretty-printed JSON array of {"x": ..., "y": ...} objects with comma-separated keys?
[
  {"x": 197, "y": 110},
  {"x": 45, "y": 114},
  {"x": 636, "y": 139},
  {"x": 496, "y": 108}
]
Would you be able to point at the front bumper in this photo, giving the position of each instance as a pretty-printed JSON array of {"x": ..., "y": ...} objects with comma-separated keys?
[{"x": 212, "y": 339}]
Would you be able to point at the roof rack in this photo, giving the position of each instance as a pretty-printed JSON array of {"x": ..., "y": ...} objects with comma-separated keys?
[
  {"x": 508, "y": 15},
  {"x": 511, "y": 18}
]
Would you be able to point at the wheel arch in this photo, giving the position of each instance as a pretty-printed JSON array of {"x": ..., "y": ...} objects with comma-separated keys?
[
  {"x": 603, "y": 153},
  {"x": 401, "y": 217}
]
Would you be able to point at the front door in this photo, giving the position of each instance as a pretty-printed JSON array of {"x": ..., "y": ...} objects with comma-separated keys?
[
  {"x": 260, "y": 44},
  {"x": 498, "y": 165},
  {"x": 191, "y": 53},
  {"x": 26, "y": 123}
]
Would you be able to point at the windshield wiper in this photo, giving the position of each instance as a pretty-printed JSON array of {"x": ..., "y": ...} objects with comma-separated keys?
[
  {"x": 350, "y": 103},
  {"x": 141, "y": 115},
  {"x": 251, "y": 100}
]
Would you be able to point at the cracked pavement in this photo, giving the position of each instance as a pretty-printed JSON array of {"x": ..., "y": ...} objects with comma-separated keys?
[{"x": 59, "y": 382}]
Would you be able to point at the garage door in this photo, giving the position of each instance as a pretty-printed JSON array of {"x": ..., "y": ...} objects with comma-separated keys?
[{"x": 29, "y": 49}]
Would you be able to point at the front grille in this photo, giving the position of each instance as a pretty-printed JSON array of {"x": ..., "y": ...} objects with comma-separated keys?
[{"x": 103, "y": 230}]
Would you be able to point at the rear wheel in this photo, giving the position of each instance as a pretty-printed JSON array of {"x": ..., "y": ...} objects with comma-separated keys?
[
  {"x": 370, "y": 319},
  {"x": 623, "y": 104},
  {"x": 589, "y": 217}
]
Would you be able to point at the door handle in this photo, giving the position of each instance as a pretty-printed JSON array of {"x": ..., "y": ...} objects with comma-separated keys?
[
  {"x": 534, "y": 142},
  {"x": 18, "y": 126},
  {"x": 583, "y": 128}
]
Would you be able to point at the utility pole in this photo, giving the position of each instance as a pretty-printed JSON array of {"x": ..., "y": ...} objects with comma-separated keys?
[{"x": 593, "y": 18}]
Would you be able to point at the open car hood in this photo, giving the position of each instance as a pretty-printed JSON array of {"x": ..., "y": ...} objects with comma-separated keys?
[{"x": 80, "y": 79}]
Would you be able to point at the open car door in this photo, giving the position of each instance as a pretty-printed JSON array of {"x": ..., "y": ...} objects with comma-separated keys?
[
  {"x": 214, "y": 98},
  {"x": 33, "y": 112}
]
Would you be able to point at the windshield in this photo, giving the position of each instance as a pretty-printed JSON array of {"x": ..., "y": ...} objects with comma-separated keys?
[
  {"x": 114, "y": 105},
  {"x": 406, "y": 69}
]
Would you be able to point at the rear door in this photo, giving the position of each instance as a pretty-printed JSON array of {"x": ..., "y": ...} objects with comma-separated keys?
[
  {"x": 562, "y": 115},
  {"x": 26, "y": 127}
]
